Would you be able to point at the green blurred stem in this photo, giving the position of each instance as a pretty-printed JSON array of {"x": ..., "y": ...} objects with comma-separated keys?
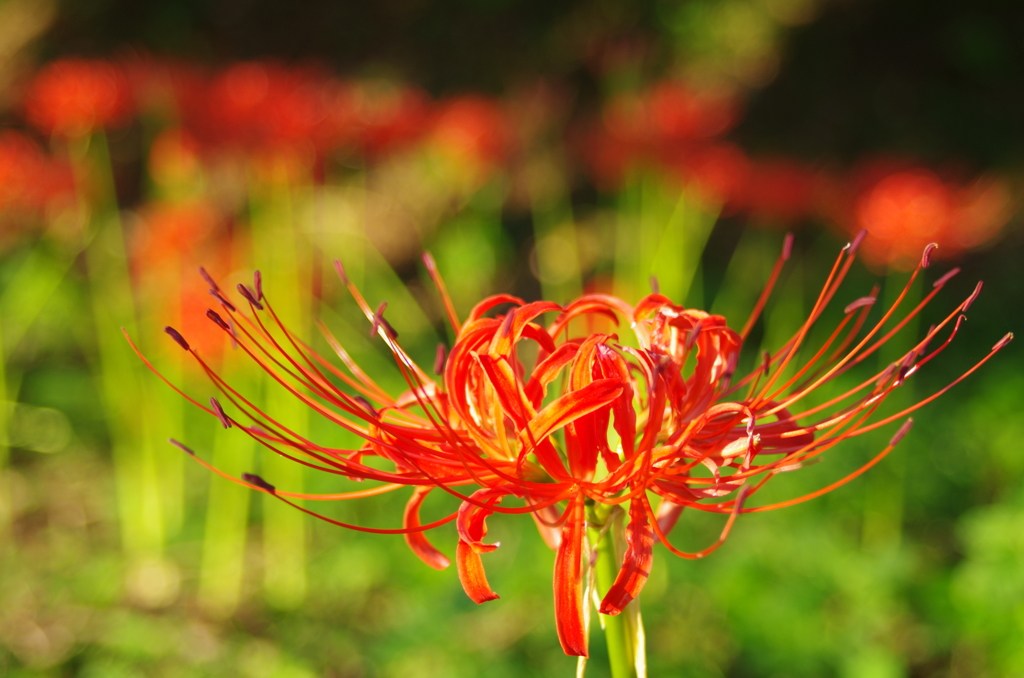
[
  {"x": 556, "y": 247},
  {"x": 661, "y": 231},
  {"x": 885, "y": 490},
  {"x": 120, "y": 381},
  {"x": 623, "y": 632},
  {"x": 5, "y": 508},
  {"x": 283, "y": 254}
]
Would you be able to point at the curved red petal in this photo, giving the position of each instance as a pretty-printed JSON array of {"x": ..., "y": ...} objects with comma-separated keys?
[
  {"x": 546, "y": 520},
  {"x": 508, "y": 388},
  {"x": 572, "y": 406},
  {"x": 489, "y": 303},
  {"x": 472, "y": 575},
  {"x": 471, "y": 523},
  {"x": 568, "y": 581},
  {"x": 636, "y": 563},
  {"x": 418, "y": 541}
]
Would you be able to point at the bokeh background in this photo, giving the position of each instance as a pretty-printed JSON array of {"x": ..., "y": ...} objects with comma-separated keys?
[{"x": 538, "y": 148}]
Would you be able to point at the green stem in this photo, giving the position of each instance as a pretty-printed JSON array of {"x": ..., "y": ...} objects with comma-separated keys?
[
  {"x": 623, "y": 632},
  {"x": 5, "y": 505},
  {"x": 122, "y": 392}
]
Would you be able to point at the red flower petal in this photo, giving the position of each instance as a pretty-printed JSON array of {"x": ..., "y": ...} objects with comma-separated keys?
[
  {"x": 472, "y": 527},
  {"x": 471, "y": 523},
  {"x": 572, "y": 406},
  {"x": 636, "y": 563},
  {"x": 472, "y": 575},
  {"x": 510, "y": 392},
  {"x": 418, "y": 541},
  {"x": 567, "y": 583}
]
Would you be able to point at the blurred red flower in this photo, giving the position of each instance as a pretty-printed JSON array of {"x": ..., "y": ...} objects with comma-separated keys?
[
  {"x": 719, "y": 173},
  {"x": 473, "y": 129},
  {"x": 680, "y": 113},
  {"x": 671, "y": 125},
  {"x": 21, "y": 166},
  {"x": 781, "y": 192},
  {"x": 167, "y": 231},
  {"x": 906, "y": 208},
  {"x": 74, "y": 97},
  {"x": 30, "y": 180}
]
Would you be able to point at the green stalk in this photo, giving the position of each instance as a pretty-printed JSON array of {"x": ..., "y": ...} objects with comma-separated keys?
[
  {"x": 284, "y": 257},
  {"x": 123, "y": 395},
  {"x": 624, "y": 636},
  {"x": 222, "y": 570},
  {"x": 661, "y": 231},
  {"x": 555, "y": 243},
  {"x": 22, "y": 301},
  {"x": 886, "y": 487},
  {"x": 5, "y": 504}
]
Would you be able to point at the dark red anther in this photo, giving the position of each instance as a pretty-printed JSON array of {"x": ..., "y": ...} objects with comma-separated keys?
[
  {"x": 439, "y": 358},
  {"x": 218, "y": 411},
  {"x": 257, "y": 284},
  {"x": 859, "y": 303},
  {"x": 946, "y": 277},
  {"x": 930, "y": 334},
  {"x": 341, "y": 271},
  {"x": 726, "y": 381},
  {"x": 379, "y": 321},
  {"x": 366, "y": 405},
  {"x": 1007, "y": 338},
  {"x": 691, "y": 336},
  {"x": 209, "y": 279},
  {"x": 181, "y": 446},
  {"x": 223, "y": 302},
  {"x": 974, "y": 296},
  {"x": 851, "y": 248},
  {"x": 215, "y": 317},
  {"x": 886, "y": 373},
  {"x": 787, "y": 247},
  {"x": 907, "y": 365},
  {"x": 730, "y": 370},
  {"x": 766, "y": 363},
  {"x": 176, "y": 335},
  {"x": 259, "y": 482},
  {"x": 249, "y": 296},
  {"x": 428, "y": 260},
  {"x": 655, "y": 288},
  {"x": 901, "y": 432},
  {"x": 926, "y": 256}
]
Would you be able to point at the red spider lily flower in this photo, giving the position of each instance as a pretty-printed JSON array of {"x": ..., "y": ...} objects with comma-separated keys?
[
  {"x": 905, "y": 209},
  {"x": 73, "y": 97},
  {"x": 668, "y": 123},
  {"x": 781, "y": 191},
  {"x": 654, "y": 425},
  {"x": 720, "y": 173},
  {"x": 474, "y": 130},
  {"x": 30, "y": 180},
  {"x": 22, "y": 165}
]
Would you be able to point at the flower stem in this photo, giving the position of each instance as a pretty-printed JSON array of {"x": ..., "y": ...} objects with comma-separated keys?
[{"x": 623, "y": 632}]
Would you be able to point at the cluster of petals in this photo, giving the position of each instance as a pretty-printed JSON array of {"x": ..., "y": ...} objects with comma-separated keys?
[{"x": 551, "y": 418}]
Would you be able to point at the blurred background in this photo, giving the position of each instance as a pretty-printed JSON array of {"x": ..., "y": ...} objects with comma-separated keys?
[{"x": 543, "y": 149}]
